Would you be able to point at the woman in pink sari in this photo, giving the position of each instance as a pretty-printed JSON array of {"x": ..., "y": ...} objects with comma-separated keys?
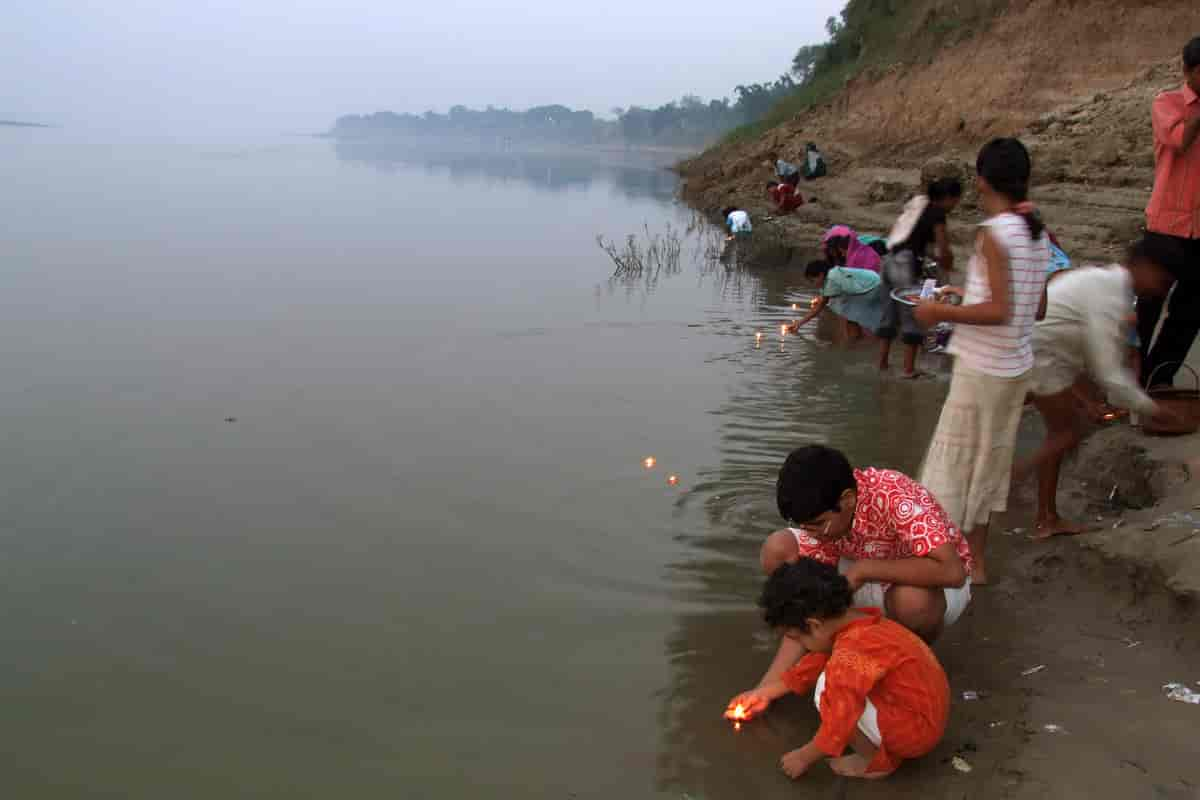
[{"x": 842, "y": 249}]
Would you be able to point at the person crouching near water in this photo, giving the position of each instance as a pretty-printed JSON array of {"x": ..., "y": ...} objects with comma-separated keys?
[
  {"x": 738, "y": 223},
  {"x": 785, "y": 196},
  {"x": 879, "y": 689},
  {"x": 843, "y": 249},
  {"x": 852, "y": 294},
  {"x": 896, "y": 546},
  {"x": 922, "y": 224},
  {"x": 1084, "y": 334},
  {"x": 968, "y": 467}
]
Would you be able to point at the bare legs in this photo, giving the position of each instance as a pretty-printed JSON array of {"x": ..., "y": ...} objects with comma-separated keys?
[
  {"x": 977, "y": 540},
  {"x": 855, "y": 764},
  {"x": 1059, "y": 412},
  {"x": 910, "y": 357}
]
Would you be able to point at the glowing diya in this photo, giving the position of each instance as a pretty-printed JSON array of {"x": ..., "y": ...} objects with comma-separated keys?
[
  {"x": 673, "y": 480},
  {"x": 649, "y": 461},
  {"x": 737, "y": 715}
]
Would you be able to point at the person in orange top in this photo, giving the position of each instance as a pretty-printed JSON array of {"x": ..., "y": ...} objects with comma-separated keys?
[
  {"x": 1174, "y": 213},
  {"x": 879, "y": 688}
]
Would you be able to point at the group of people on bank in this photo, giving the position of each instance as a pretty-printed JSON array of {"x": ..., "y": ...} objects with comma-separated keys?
[{"x": 874, "y": 565}]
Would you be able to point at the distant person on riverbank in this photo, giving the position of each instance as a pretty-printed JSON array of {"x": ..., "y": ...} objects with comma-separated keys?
[
  {"x": 843, "y": 249},
  {"x": 922, "y": 224},
  {"x": 852, "y": 294},
  {"x": 879, "y": 689},
  {"x": 814, "y": 163},
  {"x": 786, "y": 171},
  {"x": 1085, "y": 333},
  {"x": 889, "y": 536},
  {"x": 738, "y": 223},
  {"x": 969, "y": 464},
  {"x": 1174, "y": 215},
  {"x": 785, "y": 196}
]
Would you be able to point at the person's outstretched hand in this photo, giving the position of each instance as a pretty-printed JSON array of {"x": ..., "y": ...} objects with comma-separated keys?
[{"x": 753, "y": 703}]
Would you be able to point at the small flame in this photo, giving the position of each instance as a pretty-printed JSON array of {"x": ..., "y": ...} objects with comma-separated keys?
[
  {"x": 739, "y": 712},
  {"x": 758, "y": 335},
  {"x": 795, "y": 306},
  {"x": 737, "y": 726},
  {"x": 783, "y": 330},
  {"x": 649, "y": 461},
  {"x": 673, "y": 479}
]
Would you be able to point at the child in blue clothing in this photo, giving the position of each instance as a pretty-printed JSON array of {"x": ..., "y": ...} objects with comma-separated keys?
[{"x": 855, "y": 295}]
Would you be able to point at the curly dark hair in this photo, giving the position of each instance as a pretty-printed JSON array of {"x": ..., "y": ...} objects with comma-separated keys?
[{"x": 803, "y": 590}]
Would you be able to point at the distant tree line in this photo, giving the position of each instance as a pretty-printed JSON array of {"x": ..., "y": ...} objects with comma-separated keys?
[{"x": 688, "y": 121}]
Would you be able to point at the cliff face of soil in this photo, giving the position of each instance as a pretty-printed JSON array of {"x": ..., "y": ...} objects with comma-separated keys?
[{"x": 1075, "y": 80}]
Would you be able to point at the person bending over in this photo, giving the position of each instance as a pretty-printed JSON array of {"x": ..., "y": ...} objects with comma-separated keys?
[
  {"x": 879, "y": 689},
  {"x": 896, "y": 546},
  {"x": 1083, "y": 335},
  {"x": 785, "y": 196}
]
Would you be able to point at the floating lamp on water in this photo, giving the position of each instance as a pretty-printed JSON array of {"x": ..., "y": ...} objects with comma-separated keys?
[{"x": 649, "y": 461}]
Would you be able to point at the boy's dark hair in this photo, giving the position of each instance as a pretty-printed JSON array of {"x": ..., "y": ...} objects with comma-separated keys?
[
  {"x": 772, "y": 184},
  {"x": 944, "y": 188},
  {"x": 1191, "y": 53},
  {"x": 816, "y": 268},
  {"x": 811, "y": 480},
  {"x": 1006, "y": 166},
  {"x": 804, "y": 590},
  {"x": 1157, "y": 250},
  {"x": 727, "y": 211}
]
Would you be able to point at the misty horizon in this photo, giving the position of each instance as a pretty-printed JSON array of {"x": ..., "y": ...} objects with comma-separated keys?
[{"x": 297, "y": 67}]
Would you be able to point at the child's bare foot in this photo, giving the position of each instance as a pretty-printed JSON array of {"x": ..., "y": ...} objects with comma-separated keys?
[
  {"x": 854, "y": 766},
  {"x": 1049, "y": 528}
]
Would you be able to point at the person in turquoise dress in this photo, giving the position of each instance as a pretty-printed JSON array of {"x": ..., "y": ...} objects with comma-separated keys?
[{"x": 855, "y": 295}]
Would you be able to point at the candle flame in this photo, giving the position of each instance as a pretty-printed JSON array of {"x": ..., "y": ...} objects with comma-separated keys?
[
  {"x": 737, "y": 726},
  {"x": 739, "y": 711},
  {"x": 649, "y": 461},
  {"x": 673, "y": 479},
  {"x": 783, "y": 330},
  {"x": 795, "y": 306}
]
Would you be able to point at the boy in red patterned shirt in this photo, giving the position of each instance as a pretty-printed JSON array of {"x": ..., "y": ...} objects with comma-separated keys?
[{"x": 884, "y": 531}]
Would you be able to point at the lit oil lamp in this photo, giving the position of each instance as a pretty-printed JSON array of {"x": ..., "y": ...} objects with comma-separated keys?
[
  {"x": 783, "y": 330},
  {"x": 795, "y": 306},
  {"x": 649, "y": 461},
  {"x": 758, "y": 338},
  {"x": 672, "y": 480},
  {"x": 737, "y": 715}
]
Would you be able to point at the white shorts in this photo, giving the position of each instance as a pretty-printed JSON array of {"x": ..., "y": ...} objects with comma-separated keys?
[
  {"x": 868, "y": 723},
  {"x": 871, "y": 595}
]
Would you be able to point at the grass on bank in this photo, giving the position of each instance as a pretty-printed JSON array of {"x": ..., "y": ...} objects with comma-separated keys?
[{"x": 876, "y": 35}]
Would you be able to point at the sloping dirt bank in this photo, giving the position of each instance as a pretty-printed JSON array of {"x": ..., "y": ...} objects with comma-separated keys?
[{"x": 1074, "y": 80}]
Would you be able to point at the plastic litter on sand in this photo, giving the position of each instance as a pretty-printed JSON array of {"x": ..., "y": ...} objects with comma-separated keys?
[
  {"x": 1177, "y": 691},
  {"x": 1052, "y": 728},
  {"x": 961, "y": 764},
  {"x": 1033, "y": 670}
]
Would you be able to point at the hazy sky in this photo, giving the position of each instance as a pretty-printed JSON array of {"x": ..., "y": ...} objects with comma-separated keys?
[{"x": 298, "y": 64}]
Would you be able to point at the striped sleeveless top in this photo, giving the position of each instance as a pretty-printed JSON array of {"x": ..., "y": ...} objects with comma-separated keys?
[{"x": 1005, "y": 351}]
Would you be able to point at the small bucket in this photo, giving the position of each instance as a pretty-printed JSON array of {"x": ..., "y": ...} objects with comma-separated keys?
[{"x": 1185, "y": 403}]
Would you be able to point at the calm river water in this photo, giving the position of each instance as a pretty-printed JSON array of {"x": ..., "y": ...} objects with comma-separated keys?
[{"x": 323, "y": 477}]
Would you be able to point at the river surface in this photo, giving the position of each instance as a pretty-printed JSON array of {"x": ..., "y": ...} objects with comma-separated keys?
[{"x": 323, "y": 475}]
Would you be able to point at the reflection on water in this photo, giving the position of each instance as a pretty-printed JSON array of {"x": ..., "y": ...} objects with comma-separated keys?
[
  {"x": 788, "y": 391},
  {"x": 633, "y": 173}
]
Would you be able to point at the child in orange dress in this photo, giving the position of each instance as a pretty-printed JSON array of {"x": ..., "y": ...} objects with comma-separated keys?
[{"x": 879, "y": 688}]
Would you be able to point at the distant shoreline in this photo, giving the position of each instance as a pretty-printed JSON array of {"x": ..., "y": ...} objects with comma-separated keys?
[{"x": 12, "y": 123}]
